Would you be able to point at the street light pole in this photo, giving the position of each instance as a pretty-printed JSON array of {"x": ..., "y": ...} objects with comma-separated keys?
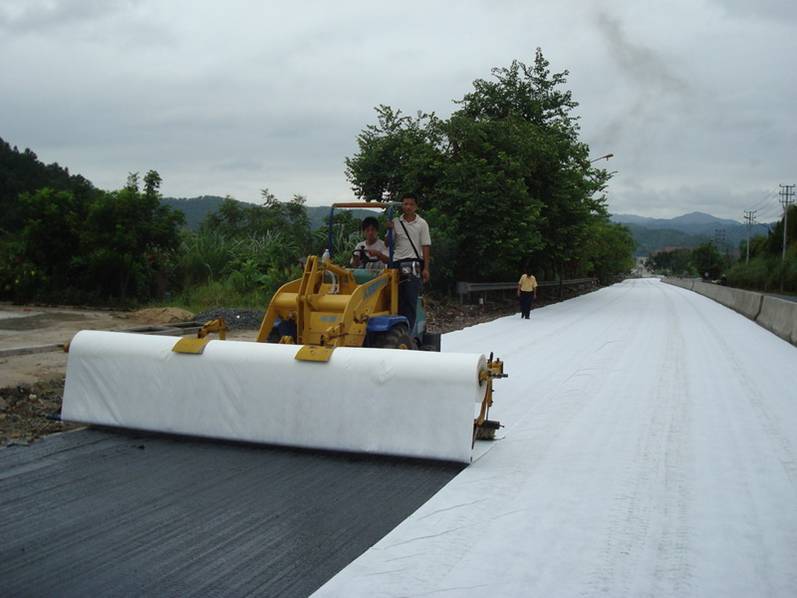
[{"x": 606, "y": 157}]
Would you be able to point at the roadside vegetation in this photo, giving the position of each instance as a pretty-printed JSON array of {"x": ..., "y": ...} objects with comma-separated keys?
[
  {"x": 504, "y": 181},
  {"x": 766, "y": 270}
]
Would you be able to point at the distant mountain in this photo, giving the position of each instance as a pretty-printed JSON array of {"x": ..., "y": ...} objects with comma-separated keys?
[
  {"x": 196, "y": 210},
  {"x": 701, "y": 218},
  {"x": 651, "y": 240},
  {"x": 692, "y": 223},
  {"x": 689, "y": 230}
]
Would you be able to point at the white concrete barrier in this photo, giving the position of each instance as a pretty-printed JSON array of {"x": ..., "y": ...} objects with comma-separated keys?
[
  {"x": 747, "y": 303},
  {"x": 779, "y": 316},
  {"x": 684, "y": 283}
]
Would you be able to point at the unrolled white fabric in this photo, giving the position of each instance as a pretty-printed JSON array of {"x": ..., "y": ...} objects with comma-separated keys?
[{"x": 382, "y": 401}]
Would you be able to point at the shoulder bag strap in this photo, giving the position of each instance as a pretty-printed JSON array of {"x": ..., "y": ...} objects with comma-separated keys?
[{"x": 401, "y": 222}]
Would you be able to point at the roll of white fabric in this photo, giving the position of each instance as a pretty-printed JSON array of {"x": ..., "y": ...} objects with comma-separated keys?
[{"x": 382, "y": 401}]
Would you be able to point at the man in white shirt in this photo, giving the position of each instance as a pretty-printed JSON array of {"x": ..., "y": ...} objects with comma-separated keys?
[
  {"x": 411, "y": 253},
  {"x": 371, "y": 253}
]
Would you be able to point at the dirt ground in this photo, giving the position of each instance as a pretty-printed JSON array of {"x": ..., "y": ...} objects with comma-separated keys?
[{"x": 31, "y": 385}]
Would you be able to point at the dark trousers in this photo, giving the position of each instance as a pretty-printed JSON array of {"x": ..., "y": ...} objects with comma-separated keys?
[
  {"x": 408, "y": 291},
  {"x": 526, "y": 298}
]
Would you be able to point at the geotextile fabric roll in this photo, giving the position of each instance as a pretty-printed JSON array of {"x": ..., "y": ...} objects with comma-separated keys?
[{"x": 381, "y": 401}]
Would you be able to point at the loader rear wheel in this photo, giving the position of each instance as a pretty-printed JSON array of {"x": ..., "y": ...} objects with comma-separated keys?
[{"x": 397, "y": 337}]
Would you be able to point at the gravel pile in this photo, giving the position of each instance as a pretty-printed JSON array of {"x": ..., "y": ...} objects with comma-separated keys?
[{"x": 236, "y": 319}]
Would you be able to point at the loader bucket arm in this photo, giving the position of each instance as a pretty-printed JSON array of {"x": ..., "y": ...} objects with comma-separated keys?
[{"x": 327, "y": 316}]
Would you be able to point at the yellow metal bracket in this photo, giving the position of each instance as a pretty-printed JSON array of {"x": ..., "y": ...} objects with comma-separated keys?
[
  {"x": 191, "y": 345},
  {"x": 484, "y": 428},
  {"x": 314, "y": 353}
]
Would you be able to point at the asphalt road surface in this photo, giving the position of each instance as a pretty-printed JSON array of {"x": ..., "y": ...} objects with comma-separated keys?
[{"x": 97, "y": 513}]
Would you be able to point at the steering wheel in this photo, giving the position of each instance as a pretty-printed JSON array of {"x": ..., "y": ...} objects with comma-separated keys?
[{"x": 361, "y": 254}]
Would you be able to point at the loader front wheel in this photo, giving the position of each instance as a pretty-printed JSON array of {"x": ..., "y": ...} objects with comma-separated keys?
[{"x": 397, "y": 337}]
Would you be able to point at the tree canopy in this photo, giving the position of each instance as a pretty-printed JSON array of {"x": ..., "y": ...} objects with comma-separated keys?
[{"x": 504, "y": 180}]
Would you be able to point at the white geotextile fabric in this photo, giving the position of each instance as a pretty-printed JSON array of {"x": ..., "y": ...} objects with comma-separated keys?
[
  {"x": 405, "y": 403},
  {"x": 650, "y": 449}
]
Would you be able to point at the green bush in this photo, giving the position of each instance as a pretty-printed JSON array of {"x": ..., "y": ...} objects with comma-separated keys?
[{"x": 763, "y": 273}]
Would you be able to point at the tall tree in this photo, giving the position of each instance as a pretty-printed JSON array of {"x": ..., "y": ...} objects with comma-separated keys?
[{"x": 505, "y": 179}]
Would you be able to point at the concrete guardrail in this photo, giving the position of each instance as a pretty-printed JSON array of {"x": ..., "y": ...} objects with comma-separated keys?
[
  {"x": 465, "y": 289},
  {"x": 780, "y": 317},
  {"x": 776, "y": 315},
  {"x": 747, "y": 303}
]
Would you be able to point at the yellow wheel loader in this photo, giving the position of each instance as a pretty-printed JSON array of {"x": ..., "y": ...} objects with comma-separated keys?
[{"x": 334, "y": 367}]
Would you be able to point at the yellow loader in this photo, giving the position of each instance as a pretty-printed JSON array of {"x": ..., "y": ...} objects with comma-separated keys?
[{"x": 335, "y": 367}]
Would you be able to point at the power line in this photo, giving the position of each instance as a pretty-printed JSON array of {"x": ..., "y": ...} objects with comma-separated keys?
[
  {"x": 769, "y": 196},
  {"x": 771, "y": 212}
]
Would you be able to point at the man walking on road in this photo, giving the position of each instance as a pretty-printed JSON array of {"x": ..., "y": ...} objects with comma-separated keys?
[
  {"x": 411, "y": 255},
  {"x": 527, "y": 292}
]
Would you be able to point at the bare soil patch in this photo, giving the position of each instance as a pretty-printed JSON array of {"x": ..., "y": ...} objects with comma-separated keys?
[
  {"x": 37, "y": 321},
  {"x": 28, "y": 412},
  {"x": 162, "y": 315}
]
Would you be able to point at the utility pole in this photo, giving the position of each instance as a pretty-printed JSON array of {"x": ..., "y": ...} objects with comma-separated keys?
[
  {"x": 786, "y": 199},
  {"x": 749, "y": 216}
]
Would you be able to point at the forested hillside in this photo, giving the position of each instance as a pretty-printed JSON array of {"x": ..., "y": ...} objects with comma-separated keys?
[
  {"x": 687, "y": 231},
  {"x": 22, "y": 172}
]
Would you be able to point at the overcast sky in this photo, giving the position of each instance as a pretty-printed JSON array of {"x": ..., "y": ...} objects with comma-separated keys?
[{"x": 694, "y": 97}]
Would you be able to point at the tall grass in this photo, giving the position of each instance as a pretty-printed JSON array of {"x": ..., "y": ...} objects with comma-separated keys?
[
  {"x": 764, "y": 273},
  {"x": 214, "y": 271}
]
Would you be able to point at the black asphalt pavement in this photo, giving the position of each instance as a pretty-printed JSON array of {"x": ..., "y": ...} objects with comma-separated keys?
[{"x": 100, "y": 513}]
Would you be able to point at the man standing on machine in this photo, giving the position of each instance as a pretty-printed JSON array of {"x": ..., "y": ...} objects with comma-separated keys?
[{"x": 412, "y": 244}]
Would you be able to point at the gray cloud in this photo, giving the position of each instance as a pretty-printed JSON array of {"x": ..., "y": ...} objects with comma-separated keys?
[
  {"x": 714, "y": 200},
  {"x": 42, "y": 15},
  {"x": 642, "y": 64},
  {"x": 233, "y": 97},
  {"x": 776, "y": 10},
  {"x": 652, "y": 82}
]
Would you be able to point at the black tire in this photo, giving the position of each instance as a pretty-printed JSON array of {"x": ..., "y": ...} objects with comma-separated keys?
[
  {"x": 287, "y": 328},
  {"x": 397, "y": 337},
  {"x": 430, "y": 341}
]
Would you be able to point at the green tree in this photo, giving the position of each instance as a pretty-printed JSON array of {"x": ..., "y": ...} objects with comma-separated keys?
[
  {"x": 677, "y": 262},
  {"x": 128, "y": 238},
  {"x": 608, "y": 250},
  {"x": 40, "y": 256},
  {"x": 706, "y": 258},
  {"x": 505, "y": 179},
  {"x": 398, "y": 154},
  {"x": 22, "y": 172}
]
